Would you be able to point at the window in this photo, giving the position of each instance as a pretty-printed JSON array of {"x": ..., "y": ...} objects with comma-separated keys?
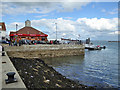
[
  {"x": 1, "y": 27},
  {"x": 28, "y": 32},
  {"x": 40, "y": 32},
  {"x": 23, "y": 37},
  {"x": 43, "y": 38}
]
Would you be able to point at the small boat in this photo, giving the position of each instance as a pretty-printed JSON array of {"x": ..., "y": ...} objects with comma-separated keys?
[
  {"x": 92, "y": 47},
  {"x": 103, "y": 47}
]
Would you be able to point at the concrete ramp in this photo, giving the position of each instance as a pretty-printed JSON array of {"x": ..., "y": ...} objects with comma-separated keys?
[{"x": 6, "y": 67}]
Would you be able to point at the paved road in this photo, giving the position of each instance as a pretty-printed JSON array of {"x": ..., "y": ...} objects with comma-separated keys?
[
  {"x": 0, "y": 67},
  {"x": 5, "y": 67},
  {"x": 0, "y": 71}
]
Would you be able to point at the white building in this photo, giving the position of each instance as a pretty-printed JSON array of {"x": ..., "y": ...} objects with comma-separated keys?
[{"x": 2, "y": 31}]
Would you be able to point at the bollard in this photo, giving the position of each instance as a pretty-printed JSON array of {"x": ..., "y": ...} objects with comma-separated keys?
[
  {"x": 3, "y": 53},
  {"x": 11, "y": 78},
  {"x": 2, "y": 48}
]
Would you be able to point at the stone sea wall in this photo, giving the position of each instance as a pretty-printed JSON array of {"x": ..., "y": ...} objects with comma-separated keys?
[
  {"x": 44, "y": 51},
  {"x": 35, "y": 73}
]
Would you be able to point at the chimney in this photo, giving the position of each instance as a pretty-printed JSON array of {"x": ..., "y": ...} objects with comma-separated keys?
[{"x": 27, "y": 23}]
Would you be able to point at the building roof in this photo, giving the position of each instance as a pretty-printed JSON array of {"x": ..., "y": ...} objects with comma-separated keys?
[
  {"x": 3, "y": 28},
  {"x": 28, "y": 31}
]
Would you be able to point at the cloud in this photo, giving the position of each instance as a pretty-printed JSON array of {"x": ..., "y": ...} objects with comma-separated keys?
[
  {"x": 86, "y": 27},
  {"x": 103, "y": 10},
  {"x": 1, "y": 11},
  {"x": 60, "y": 0},
  {"x": 114, "y": 11},
  {"x": 68, "y": 17},
  {"x": 15, "y": 8},
  {"x": 99, "y": 24},
  {"x": 41, "y": 16},
  {"x": 115, "y": 32},
  {"x": 24, "y": 8}
]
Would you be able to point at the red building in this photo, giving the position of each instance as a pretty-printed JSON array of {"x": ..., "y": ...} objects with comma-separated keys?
[{"x": 29, "y": 33}]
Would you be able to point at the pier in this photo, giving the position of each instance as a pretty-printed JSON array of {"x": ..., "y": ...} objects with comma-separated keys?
[
  {"x": 7, "y": 66},
  {"x": 44, "y": 51}
]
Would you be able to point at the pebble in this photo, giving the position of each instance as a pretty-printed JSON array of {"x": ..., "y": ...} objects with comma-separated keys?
[
  {"x": 31, "y": 76},
  {"x": 58, "y": 85},
  {"x": 35, "y": 69},
  {"x": 72, "y": 86},
  {"x": 52, "y": 74},
  {"x": 59, "y": 80},
  {"x": 44, "y": 77},
  {"x": 26, "y": 72},
  {"x": 47, "y": 81}
]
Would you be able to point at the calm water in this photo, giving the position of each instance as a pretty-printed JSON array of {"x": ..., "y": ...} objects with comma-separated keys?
[{"x": 96, "y": 68}]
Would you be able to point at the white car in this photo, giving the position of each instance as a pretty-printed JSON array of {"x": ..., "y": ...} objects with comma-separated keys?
[{"x": 0, "y": 48}]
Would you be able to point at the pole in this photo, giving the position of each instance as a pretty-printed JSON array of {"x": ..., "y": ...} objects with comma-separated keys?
[
  {"x": 56, "y": 31},
  {"x": 16, "y": 35},
  {"x": 16, "y": 28}
]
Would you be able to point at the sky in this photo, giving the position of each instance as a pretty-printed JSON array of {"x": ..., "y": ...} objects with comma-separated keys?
[{"x": 75, "y": 20}]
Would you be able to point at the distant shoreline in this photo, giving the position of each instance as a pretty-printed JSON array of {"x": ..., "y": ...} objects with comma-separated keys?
[{"x": 113, "y": 41}]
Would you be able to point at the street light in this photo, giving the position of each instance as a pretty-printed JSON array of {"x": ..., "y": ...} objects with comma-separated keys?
[
  {"x": 16, "y": 28},
  {"x": 56, "y": 31},
  {"x": 16, "y": 32}
]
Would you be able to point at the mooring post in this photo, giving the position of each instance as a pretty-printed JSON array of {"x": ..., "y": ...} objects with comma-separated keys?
[{"x": 11, "y": 78}]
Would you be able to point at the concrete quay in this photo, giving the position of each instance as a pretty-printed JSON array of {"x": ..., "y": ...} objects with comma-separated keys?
[
  {"x": 31, "y": 51},
  {"x": 5, "y": 67},
  {"x": 44, "y": 51},
  {"x": 0, "y": 70}
]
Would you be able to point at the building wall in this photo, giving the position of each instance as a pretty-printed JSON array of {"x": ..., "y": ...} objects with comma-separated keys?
[
  {"x": 29, "y": 30},
  {"x": 2, "y": 31},
  {"x": 31, "y": 38},
  {"x": 2, "y": 35}
]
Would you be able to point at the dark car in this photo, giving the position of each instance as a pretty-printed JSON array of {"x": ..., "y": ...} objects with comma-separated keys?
[
  {"x": 41, "y": 42},
  {"x": 5, "y": 42}
]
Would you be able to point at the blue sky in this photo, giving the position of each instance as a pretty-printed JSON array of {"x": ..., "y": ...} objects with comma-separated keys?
[{"x": 97, "y": 20}]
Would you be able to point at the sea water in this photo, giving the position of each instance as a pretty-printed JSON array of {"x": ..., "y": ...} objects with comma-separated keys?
[{"x": 96, "y": 68}]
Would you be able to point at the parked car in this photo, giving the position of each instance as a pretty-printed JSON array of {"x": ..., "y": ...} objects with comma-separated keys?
[
  {"x": 5, "y": 42},
  {"x": 47, "y": 42},
  {"x": 41, "y": 42}
]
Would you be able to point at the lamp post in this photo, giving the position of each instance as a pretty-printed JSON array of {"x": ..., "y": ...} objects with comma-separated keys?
[
  {"x": 16, "y": 34},
  {"x": 78, "y": 36},
  {"x": 16, "y": 28},
  {"x": 56, "y": 31}
]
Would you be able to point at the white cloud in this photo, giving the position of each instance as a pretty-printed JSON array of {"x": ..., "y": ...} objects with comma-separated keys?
[
  {"x": 40, "y": 7},
  {"x": 99, "y": 24},
  {"x": 64, "y": 34},
  {"x": 111, "y": 12},
  {"x": 60, "y": 0},
  {"x": 68, "y": 17},
  {"x": 13, "y": 25},
  {"x": 41, "y": 16},
  {"x": 86, "y": 27},
  {"x": 115, "y": 32},
  {"x": 1, "y": 11},
  {"x": 114, "y": 11},
  {"x": 103, "y": 10}
]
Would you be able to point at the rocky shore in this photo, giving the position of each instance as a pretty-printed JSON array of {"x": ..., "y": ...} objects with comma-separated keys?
[{"x": 36, "y": 74}]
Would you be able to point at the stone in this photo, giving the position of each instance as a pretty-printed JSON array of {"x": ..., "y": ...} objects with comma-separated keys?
[
  {"x": 47, "y": 81},
  {"x": 35, "y": 70},
  {"x": 58, "y": 85}
]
